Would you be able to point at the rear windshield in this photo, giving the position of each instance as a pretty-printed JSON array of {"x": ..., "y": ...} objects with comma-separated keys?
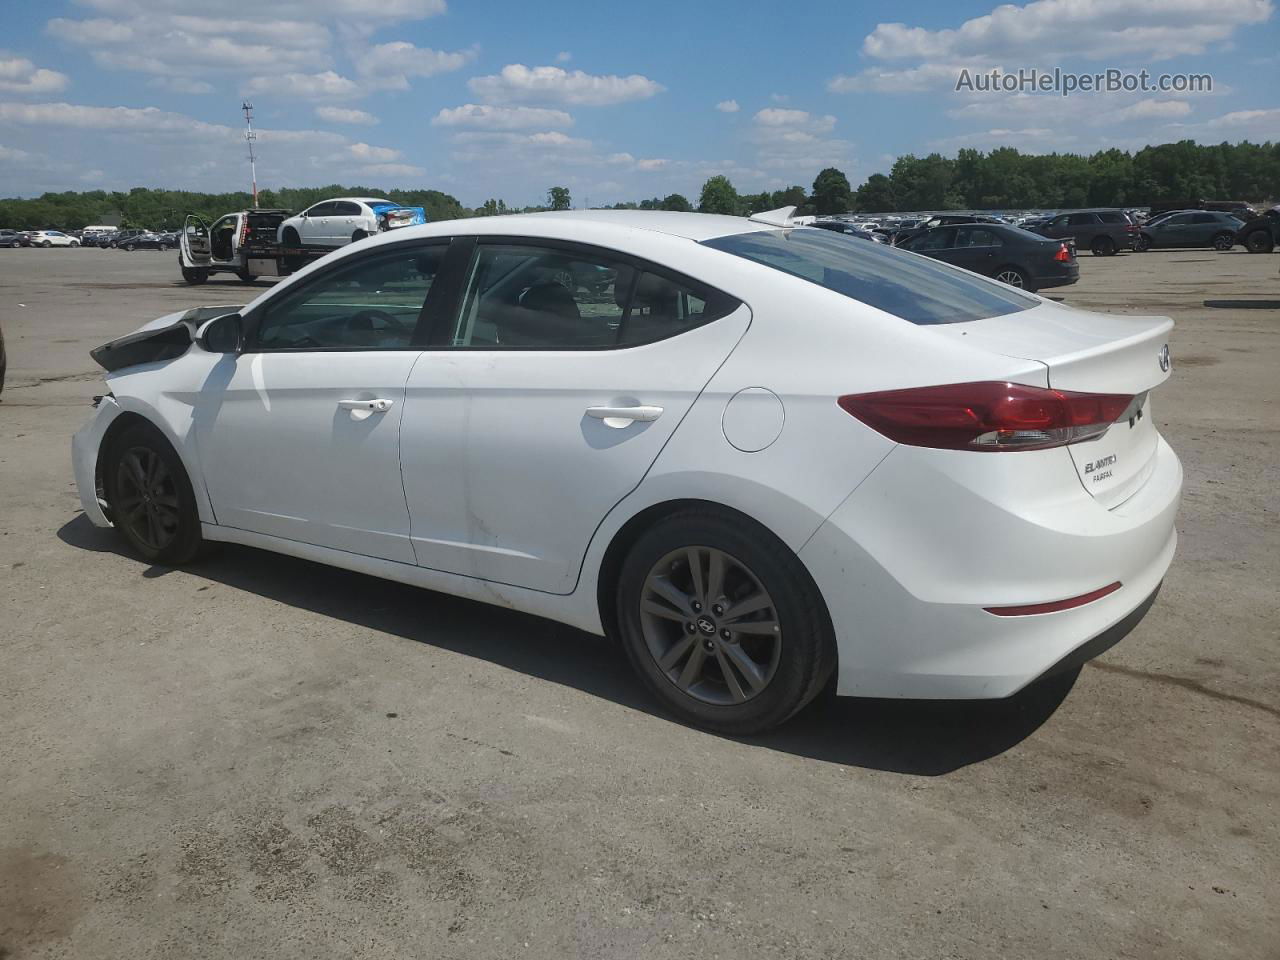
[{"x": 909, "y": 286}]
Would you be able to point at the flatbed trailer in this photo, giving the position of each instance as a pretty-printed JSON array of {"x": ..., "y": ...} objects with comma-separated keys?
[{"x": 241, "y": 243}]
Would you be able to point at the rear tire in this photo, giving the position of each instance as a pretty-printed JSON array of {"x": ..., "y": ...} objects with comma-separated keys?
[
  {"x": 1015, "y": 277},
  {"x": 47, "y": 244},
  {"x": 74, "y": 243},
  {"x": 1223, "y": 242},
  {"x": 290, "y": 237},
  {"x": 1103, "y": 247},
  {"x": 1143, "y": 243},
  {"x": 130, "y": 247},
  {"x": 359, "y": 235},
  {"x": 736, "y": 673},
  {"x": 1259, "y": 241},
  {"x": 194, "y": 275},
  {"x": 152, "y": 504},
  {"x": 246, "y": 277}
]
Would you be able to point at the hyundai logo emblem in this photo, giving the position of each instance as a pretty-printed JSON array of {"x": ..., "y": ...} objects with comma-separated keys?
[
  {"x": 1163, "y": 357},
  {"x": 706, "y": 625}
]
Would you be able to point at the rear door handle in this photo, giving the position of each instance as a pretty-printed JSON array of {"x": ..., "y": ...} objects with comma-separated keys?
[{"x": 619, "y": 417}]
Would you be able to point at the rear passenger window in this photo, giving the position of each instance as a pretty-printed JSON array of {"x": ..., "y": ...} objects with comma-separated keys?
[
  {"x": 1204, "y": 218},
  {"x": 552, "y": 298},
  {"x": 976, "y": 237},
  {"x": 1112, "y": 218},
  {"x": 1081, "y": 219}
]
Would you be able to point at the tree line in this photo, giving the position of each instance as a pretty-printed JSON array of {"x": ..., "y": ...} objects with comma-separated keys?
[
  {"x": 1006, "y": 178},
  {"x": 1003, "y": 178}
]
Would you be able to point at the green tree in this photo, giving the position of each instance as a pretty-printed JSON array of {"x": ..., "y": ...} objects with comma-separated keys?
[
  {"x": 831, "y": 192},
  {"x": 558, "y": 198},
  {"x": 675, "y": 201},
  {"x": 718, "y": 196},
  {"x": 795, "y": 196},
  {"x": 876, "y": 195}
]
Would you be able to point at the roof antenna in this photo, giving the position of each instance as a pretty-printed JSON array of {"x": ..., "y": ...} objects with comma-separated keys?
[{"x": 251, "y": 137}]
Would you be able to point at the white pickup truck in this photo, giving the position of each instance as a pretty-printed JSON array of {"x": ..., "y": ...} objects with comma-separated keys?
[{"x": 243, "y": 243}]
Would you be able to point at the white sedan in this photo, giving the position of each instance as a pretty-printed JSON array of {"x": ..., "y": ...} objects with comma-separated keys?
[
  {"x": 343, "y": 220},
  {"x": 52, "y": 238},
  {"x": 759, "y": 455}
]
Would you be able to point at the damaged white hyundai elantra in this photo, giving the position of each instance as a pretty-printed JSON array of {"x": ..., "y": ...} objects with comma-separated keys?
[{"x": 764, "y": 457}]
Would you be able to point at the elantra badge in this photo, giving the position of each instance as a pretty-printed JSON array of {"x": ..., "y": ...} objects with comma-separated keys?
[{"x": 1163, "y": 357}]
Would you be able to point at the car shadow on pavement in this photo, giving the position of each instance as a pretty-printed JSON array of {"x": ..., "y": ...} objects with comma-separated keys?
[
  {"x": 1244, "y": 304},
  {"x": 924, "y": 738}
]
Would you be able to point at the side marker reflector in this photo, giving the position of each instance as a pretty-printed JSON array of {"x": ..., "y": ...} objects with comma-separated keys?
[{"x": 1053, "y": 607}]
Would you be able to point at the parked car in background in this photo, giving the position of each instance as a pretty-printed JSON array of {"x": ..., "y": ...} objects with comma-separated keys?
[
  {"x": 940, "y": 220},
  {"x": 1198, "y": 228},
  {"x": 1103, "y": 232},
  {"x": 343, "y": 220},
  {"x": 1008, "y": 254},
  {"x": 1262, "y": 233},
  {"x": 950, "y": 489},
  {"x": 120, "y": 237},
  {"x": 53, "y": 238},
  {"x": 4, "y": 360},
  {"x": 849, "y": 229},
  {"x": 145, "y": 241},
  {"x": 12, "y": 238}
]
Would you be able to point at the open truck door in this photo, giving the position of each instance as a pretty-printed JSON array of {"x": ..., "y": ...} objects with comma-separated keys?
[{"x": 193, "y": 249}]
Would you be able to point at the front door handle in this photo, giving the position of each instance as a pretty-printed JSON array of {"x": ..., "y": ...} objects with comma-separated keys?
[
  {"x": 619, "y": 417},
  {"x": 375, "y": 406},
  {"x": 364, "y": 409}
]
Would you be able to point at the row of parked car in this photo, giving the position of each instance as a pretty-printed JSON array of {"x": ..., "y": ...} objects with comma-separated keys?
[
  {"x": 106, "y": 239},
  {"x": 1033, "y": 252}
]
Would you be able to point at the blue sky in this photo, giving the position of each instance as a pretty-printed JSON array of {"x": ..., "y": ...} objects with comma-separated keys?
[{"x": 615, "y": 100}]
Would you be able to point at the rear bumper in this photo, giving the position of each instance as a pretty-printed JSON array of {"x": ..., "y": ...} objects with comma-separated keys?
[
  {"x": 1059, "y": 279},
  {"x": 909, "y": 562}
]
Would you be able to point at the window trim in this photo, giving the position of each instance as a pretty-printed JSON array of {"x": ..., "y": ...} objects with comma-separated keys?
[
  {"x": 252, "y": 319},
  {"x": 445, "y": 318}
]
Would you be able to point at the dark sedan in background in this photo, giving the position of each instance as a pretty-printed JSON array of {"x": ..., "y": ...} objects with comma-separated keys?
[
  {"x": 145, "y": 241},
  {"x": 1191, "y": 228},
  {"x": 1008, "y": 254}
]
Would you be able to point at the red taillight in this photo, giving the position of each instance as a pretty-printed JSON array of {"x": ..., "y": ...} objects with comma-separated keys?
[
  {"x": 989, "y": 416},
  {"x": 244, "y": 232},
  {"x": 1054, "y": 606},
  {"x": 1131, "y": 228},
  {"x": 1063, "y": 255}
]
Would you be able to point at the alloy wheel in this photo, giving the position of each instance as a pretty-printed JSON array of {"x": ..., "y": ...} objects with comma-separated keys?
[
  {"x": 1012, "y": 277},
  {"x": 146, "y": 498},
  {"x": 710, "y": 625}
]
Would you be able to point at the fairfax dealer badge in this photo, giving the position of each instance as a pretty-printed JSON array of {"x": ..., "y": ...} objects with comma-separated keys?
[{"x": 1163, "y": 357}]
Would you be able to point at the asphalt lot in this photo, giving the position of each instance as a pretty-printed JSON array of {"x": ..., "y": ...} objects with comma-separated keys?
[{"x": 261, "y": 757}]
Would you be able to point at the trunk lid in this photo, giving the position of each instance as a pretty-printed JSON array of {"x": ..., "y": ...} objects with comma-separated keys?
[{"x": 1091, "y": 353}]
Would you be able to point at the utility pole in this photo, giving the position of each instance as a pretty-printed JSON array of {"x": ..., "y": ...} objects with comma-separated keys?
[{"x": 250, "y": 137}]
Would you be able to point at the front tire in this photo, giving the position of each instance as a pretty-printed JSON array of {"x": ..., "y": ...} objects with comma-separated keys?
[
  {"x": 194, "y": 275},
  {"x": 290, "y": 237},
  {"x": 246, "y": 277},
  {"x": 1103, "y": 247},
  {"x": 722, "y": 622},
  {"x": 1223, "y": 242},
  {"x": 1144, "y": 243},
  {"x": 152, "y": 503},
  {"x": 74, "y": 243},
  {"x": 47, "y": 244}
]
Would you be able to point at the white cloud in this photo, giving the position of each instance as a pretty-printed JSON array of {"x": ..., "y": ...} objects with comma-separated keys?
[
  {"x": 779, "y": 97},
  {"x": 517, "y": 82},
  {"x": 315, "y": 86},
  {"x": 181, "y": 85},
  {"x": 1260, "y": 119},
  {"x": 652, "y": 163},
  {"x": 346, "y": 115},
  {"x": 392, "y": 64},
  {"x": 564, "y": 56},
  {"x": 392, "y": 170},
  {"x": 1092, "y": 29},
  {"x": 13, "y": 155},
  {"x": 728, "y": 106},
  {"x": 778, "y": 117},
  {"x": 20, "y": 75},
  {"x": 371, "y": 154},
  {"x": 927, "y": 76},
  {"x": 489, "y": 117}
]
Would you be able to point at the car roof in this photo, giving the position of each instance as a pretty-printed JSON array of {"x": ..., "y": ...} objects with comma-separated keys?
[{"x": 691, "y": 226}]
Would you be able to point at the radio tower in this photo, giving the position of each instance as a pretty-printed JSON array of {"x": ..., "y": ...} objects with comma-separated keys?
[{"x": 250, "y": 137}]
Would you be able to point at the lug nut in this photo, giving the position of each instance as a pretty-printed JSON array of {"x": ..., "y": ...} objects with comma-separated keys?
[
  {"x": 690, "y": 627},
  {"x": 717, "y": 609},
  {"x": 697, "y": 607},
  {"x": 726, "y": 634}
]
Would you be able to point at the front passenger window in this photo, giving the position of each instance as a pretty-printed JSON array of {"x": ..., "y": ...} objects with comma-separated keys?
[{"x": 371, "y": 304}]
